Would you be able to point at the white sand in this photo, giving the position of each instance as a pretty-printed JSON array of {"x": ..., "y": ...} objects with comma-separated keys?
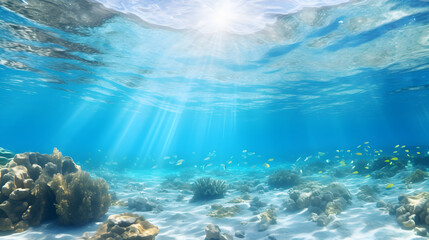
[{"x": 184, "y": 220}]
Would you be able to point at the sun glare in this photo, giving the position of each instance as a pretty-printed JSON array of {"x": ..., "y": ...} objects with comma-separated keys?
[{"x": 221, "y": 17}]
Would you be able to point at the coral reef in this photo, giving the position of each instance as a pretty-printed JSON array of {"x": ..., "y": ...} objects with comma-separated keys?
[
  {"x": 283, "y": 179},
  {"x": 79, "y": 199},
  {"x": 256, "y": 204},
  {"x": 37, "y": 187},
  {"x": 368, "y": 193},
  {"x": 323, "y": 202},
  {"x": 267, "y": 218},
  {"x": 126, "y": 226},
  {"x": 415, "y": 177},
  {"x": 143, "y": 204},
  {"x": 213, "y": 232},
  {"x": 207, "y": 189},
  {"x": 219, "y": 211},
  {"x": 414, "y": 211}
]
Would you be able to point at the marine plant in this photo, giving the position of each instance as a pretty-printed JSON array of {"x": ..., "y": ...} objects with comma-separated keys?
[
  {"x": 283, "y": 179},
  {"x": 79, "y": 199},
  {"x": 207, "y": 189}
]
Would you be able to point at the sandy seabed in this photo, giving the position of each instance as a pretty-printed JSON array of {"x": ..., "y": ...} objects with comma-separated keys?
[{"x": 182, "y": 220}]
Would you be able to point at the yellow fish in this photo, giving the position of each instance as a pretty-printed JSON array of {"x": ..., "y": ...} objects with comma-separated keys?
[
  {"x": 366, "y": 167},
  {"x": 418, "y": 152},
  {"x": 320, "y": 172},
  {"x": 408, "y": 155},
  {"x": 417, "y": 147},
  {"x": 366, "y": 142},
  {"x": 397, "y": 146},
  {"x": 179, "y": 163},
  {"x": 395, "y": 152},
  {"x": 229, "y": 162},
  {"x": 386, "y": 160},
  {"x": 244, "y": 150},
  {"x": 402, "y": 146},
  {"x": 359, "y": 146},
  {"x": 394, "y": 159},
  {"x": 391, "y": 163},
  {"x": 406, "y": 150},
  {"x": 338, "y": 150},
  {"x": 358, "y": 153},
  {"x": 271, "y": 159},
  {"x": 323, "y": 176},
  {"x": 389, "y": 186},
  {"x": 376, "y": 151},
  {"x": 355, "y": 172},
  {"x": 367, "y": 175},
  {"x": 321, "y": 154},
  {"x": 266, "y": 165},
  {"x": 348, "y": 150}
]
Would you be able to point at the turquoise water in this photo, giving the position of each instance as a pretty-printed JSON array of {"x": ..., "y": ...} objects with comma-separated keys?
[{"x": 139, "y": 85}]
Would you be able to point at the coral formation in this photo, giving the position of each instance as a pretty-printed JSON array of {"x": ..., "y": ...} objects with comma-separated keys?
[
  {"x": 79, "y": 199},
  {"x": 207, "y": 189},
  {"x": 323, "y": 202},
  {"x": 283, "y": 179},
  {"x": 413, "y": 211},
  {"x": 219, "y": 211},
  {"x": 37, "y": 187},
  {"x": 267, "y": 218},
  {"x": 126, "y": 226}
]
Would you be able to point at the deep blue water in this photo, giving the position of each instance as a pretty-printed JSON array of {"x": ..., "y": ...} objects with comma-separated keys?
[{"x": 112, "y": 87}]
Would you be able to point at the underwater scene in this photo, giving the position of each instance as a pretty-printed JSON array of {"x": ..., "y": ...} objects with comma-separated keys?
[{"x": 214, "y": 120}]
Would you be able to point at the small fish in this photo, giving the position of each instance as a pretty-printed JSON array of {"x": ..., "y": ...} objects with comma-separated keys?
[
  {"x": 359, "y": 146},
  {"x": 327, "y": 160},
  {"x": 391, "y": 163},
  {"x": 207, "y": 158},
  {"x": 355, "y": 172},
  {"x": 358, "y": 153},
  {"x": 321, "y": 154},
  {"x": 271, "y": 159},
  {"x": 320, "y": 172},
  {"x": 387, "y": 160},
  {"x": 348, "y": 150},
  {"x": 366, "y": 142},
  {"x": 402, "y": 146},
  {"x": 300, "y": 171},
  {"x": 323, "y": 176},
  {"x": 394, "y": 159},
  {"x": 418, "y": 152},
  {"x": 244, "y": 150},
  {"x": 266, "y": 165},
  {"x": 397, "y": 146},
  {"x": 338, "y": 150},
  {"x": 406, "y": 150},
  {"x": 395, "y": 152},
  {"x": 298, "y": 159},
  {"x": 367, "y": 176},
  {"x": 166, "y": 157},
  {"x": 366, "y": 167},
  {"x": 229, "y": 162},
  {"x": 389, "y": 186},
  {"x": 306, "y": 158},
  {"x": 417, "y": 147},
  {"x": 381, "y": 150},
  {"x": 179, "y": 163}
]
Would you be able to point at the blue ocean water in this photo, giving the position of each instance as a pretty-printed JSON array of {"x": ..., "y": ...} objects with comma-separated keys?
[{"x": 112, "y": 85}]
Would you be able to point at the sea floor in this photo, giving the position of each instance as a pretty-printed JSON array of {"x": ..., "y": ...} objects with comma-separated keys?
[{"x": 181, "y": 220}]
